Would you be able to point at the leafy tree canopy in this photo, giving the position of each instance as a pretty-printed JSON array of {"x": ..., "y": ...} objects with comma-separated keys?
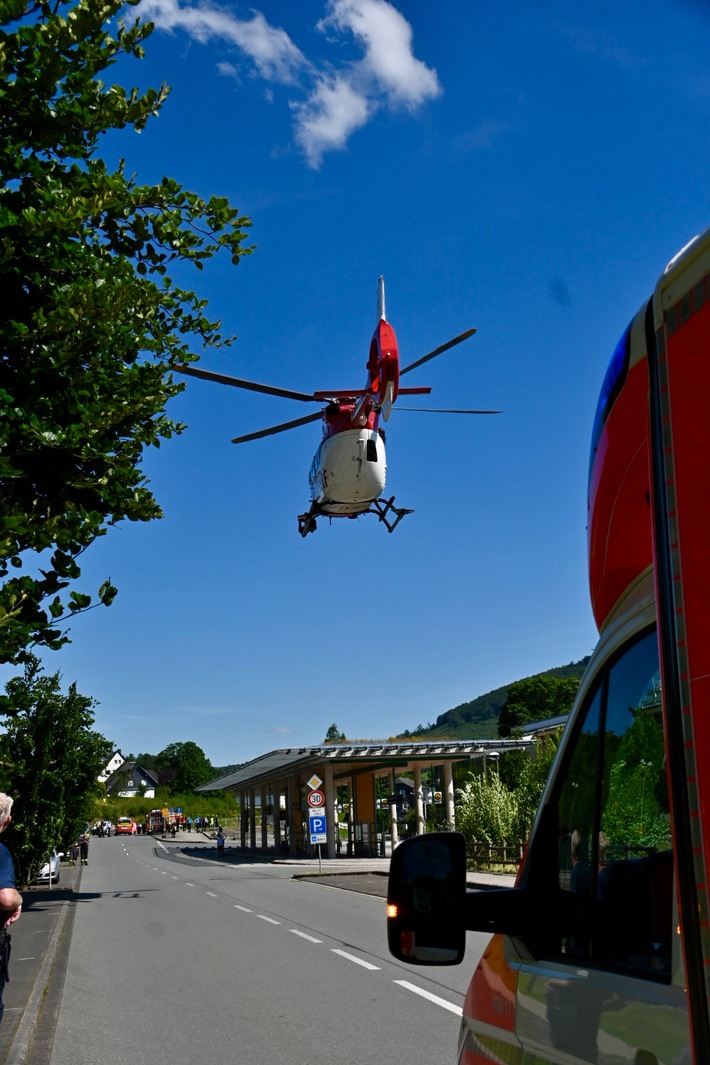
[
  {"x": 90, "y": 320},
  {"x": 50, "y": 758},
  {"x": 535, "y": 699},
  {"x": 183, "y": 767}
]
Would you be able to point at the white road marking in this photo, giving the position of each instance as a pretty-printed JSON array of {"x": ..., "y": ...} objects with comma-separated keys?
[
  {"x": 212, "y": 894},
  {"x": 189, "y": 884},
  {"x": 242, "y": 908},
  {"x": 263, "y": 917},
  {"x": 432, "y": 998},
  {"x": 311, "y": 939},
  {"x": 351, "y": 957}
]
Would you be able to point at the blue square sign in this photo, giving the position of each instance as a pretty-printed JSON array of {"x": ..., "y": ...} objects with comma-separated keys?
[{"x": 317, "y": 828}]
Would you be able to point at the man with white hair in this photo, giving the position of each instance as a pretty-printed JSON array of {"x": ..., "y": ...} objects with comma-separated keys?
[{"x": 10, "y": 897}]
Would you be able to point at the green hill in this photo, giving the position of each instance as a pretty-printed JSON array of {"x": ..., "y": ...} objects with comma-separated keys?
[{"x": 478, "y": 719}]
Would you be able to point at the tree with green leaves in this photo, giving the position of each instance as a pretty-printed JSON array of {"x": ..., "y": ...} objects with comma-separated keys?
[
  {"x": 91, "y": 323},
  {"x": 183, "y": 767},
  {"x": 50, "y": 759},
  {"x": 334, "y": 735},
  {"x": 536, "y": 699}
]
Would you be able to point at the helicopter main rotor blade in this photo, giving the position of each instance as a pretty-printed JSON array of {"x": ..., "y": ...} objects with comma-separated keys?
[
  {"x": 277, "y": 428},
  {"x": 446, "y": 410},
  {"x": 250, "y": 386},
  {"x": 438, "y": 351}
]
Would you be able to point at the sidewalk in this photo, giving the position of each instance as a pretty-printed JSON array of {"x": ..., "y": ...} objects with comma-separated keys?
[
  {"x": 35, "y": 940},
  {"x": 40, "y": 939}
]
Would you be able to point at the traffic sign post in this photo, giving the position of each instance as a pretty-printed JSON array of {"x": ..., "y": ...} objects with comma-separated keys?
[
  {"x": 317, "y": 823},
  {"x": 318, "y": 831}
]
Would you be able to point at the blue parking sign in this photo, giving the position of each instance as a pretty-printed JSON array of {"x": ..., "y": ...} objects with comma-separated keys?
[{"x": 317, "y": 827}]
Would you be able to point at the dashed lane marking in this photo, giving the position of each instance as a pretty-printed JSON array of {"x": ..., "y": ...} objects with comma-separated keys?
[
  {"x": 351, "y": 957},
  {"x": 263, "y": 917},
  {"x": 432, "y": 998},
  {"x": 311, "y": 939}
]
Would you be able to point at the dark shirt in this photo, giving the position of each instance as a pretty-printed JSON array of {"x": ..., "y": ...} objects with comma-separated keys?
[{"x": 7, "y": 869}]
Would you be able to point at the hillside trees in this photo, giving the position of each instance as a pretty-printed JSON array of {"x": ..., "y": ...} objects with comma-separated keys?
[
  {"x": 90, "y": 321},
  {"x": 50, "y": 758}
]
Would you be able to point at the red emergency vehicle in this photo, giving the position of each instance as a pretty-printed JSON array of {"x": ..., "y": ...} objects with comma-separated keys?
[
  {"x": 155, "y": 821},
  {"x": 601, "y": 952}
]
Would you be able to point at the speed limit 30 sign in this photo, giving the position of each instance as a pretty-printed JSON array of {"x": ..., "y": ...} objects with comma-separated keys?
[{"x": 316, "y": 799}]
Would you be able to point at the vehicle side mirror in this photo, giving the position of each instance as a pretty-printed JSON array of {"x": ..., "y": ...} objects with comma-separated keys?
[{"x": 426, "y": 898}]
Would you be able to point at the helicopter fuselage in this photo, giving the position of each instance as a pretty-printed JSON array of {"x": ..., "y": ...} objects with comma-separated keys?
[{"x": 348, "y": 471}]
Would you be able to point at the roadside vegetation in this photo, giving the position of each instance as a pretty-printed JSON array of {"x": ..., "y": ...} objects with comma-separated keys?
[{"x": 221, "y": 805}]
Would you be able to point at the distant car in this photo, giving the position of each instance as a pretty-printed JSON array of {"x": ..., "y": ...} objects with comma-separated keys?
[
  {"x": 126, "y": 826},
  {"x": 53, "y": 866}
]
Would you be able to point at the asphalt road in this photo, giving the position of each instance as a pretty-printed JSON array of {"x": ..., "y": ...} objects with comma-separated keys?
[{"x": 179, "y": 961}]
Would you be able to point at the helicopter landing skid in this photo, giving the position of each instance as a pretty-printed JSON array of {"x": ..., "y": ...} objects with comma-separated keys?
[{"x": 383, "y": 508}]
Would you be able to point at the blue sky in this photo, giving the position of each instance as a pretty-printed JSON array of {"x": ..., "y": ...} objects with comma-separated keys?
[{"x": 527, "y": 169}]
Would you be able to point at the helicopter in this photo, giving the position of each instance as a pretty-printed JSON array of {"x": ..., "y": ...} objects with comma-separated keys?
[{"x": 348, "y": 472}]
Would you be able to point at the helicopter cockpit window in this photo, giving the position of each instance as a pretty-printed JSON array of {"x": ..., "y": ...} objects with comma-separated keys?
[{"x": 371, "y": 452}]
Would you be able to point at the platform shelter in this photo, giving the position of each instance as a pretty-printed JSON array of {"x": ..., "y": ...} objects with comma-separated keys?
[{"x": 360, "y": 794}]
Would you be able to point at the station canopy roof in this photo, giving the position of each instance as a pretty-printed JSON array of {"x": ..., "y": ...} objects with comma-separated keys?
[{"x": 351, "y": 757}]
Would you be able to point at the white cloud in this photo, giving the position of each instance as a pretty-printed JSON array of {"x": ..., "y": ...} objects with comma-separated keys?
[
  {"x": 272, "y": 51},
  {"x": 336, "y": 102},
  {"x": 333, "y": 111},
  {"x": 389, "y": 64},
  {"x": 228, "y": 70}
]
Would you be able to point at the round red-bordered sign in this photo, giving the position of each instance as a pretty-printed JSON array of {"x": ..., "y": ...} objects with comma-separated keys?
[{"x": 316, "y": 798}]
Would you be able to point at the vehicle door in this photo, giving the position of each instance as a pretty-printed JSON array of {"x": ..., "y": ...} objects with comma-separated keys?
[{"x": 606, "y": 986}]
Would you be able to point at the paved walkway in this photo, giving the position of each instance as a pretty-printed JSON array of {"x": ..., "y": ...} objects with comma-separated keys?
[{"x": 40, "y": 939}]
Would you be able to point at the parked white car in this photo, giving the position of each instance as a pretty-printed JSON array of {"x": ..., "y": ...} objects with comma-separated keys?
[{"x": 50, "y": 867}]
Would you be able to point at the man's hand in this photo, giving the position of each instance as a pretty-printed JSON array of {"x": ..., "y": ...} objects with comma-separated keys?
[
  {"x": 14, "y": 916},
  {"x": 10, "y": 906}
]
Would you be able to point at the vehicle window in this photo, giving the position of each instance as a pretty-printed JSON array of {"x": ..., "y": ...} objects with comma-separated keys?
[{"x": 615, "y": 856}]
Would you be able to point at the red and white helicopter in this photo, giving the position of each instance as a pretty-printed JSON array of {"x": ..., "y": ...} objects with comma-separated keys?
[{"x": 348, "y": 471}]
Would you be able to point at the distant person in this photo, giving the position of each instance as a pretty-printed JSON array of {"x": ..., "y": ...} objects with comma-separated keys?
[
  {"x": 10, "y": 897},
  {"x": 220, "y": 844},
  {"x": 84, "y": 849}
]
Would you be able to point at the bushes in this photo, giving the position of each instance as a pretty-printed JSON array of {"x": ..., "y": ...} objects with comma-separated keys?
[{"x": 499, "y": 808}]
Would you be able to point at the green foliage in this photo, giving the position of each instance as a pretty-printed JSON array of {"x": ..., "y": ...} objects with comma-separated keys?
[
  {"x": 183, "y": 767},
  {"x": 535, "y": 699},
  {"x": 334, "y": 735},
  {"x": 531, "y": 781},
  {"x": 491, "y": 810},
  {"x": 487, "y": 811},
  {"x": 91, "y": 323},
  {"x": 50, "y": 759},
  {"x": 636, "y": 811},
  {"x": 221, "y": 804}
]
